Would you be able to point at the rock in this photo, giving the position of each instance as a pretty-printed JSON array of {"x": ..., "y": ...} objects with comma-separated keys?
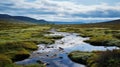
[
  {"x": 40, "y": 62},
  {"x": 55, "y": 55},
  {"x": 48, "y": 47},
  {"x": 52, "y": 46},
  {"x": 61, "y": 57},
  {"x": 66, "y": 53},
  {"x": 37, "y": 52},
  {"x": 46, "y": 64},
  {"x": 47, "y": 55},
  {"x": 61, "y": 48}
]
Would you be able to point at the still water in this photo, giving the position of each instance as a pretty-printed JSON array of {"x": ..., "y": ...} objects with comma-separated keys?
[{"x": 56, "y": 55}]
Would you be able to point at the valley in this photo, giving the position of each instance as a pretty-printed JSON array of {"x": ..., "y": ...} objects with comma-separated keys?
[{"x": 51, "y": 45}]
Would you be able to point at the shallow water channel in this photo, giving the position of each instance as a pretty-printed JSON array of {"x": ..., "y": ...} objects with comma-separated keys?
[{"x": 56, "y": 55}]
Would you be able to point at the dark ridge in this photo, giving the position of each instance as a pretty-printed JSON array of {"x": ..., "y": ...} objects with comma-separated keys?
[{"x": 22, "y": 19}]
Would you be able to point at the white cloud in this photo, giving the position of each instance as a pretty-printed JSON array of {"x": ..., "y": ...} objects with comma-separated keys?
[{"x": 63, "y": 10}]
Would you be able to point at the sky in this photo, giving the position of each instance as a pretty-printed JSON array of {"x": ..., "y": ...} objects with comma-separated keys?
[{"x": 63, "y": 10}]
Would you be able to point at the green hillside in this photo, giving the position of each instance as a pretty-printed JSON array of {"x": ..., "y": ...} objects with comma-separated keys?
[
  {"x": 22, "y": 19},
  {"x": 6, "y": 24}
]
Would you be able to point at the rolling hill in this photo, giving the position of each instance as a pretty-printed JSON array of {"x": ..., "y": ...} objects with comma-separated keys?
[
  {"x": 115, "y": 24},
  {"x": 110, "y": 22},
  {"x": 21, "y": 19}
]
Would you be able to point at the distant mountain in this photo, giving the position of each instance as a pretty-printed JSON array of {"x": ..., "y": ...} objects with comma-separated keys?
[
  {"x": 22, "y": 19},
  {"x": 107, "y": 22},
  {"x": 112, "y": 22}
]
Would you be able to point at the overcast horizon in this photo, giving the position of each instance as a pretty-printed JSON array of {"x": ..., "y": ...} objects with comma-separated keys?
[{"x": 62, "y": 10}]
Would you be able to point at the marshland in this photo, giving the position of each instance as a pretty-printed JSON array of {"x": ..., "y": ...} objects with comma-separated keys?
[
  {"x": 33, "y": 45},
  {"x": 59, "y": 33}
]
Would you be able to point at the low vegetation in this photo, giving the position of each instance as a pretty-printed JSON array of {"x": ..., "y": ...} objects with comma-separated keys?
[
  {"x": 54, "y": 37},
  {"x": 17, "y": 40},
  {"x": 31, "y": 65},
  {"x": 101, "y": 34},
  {"x": 80, "y": 57},
  {"x": 97, "y": 58}
]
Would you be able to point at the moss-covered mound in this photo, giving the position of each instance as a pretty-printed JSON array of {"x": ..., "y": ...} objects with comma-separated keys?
[
  {"x": 5, "y": 61},
  {"x": 20, "y": 55},
  {"x": 97, "y": 59},
  {"x": 80, "y": 57}
]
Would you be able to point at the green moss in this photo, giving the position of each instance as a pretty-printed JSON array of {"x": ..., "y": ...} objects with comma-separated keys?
[
  {"x": 97, "y": 58},
  {"x": 54, "y": 37},
  {"x": 36, "y": 65},
  {"x": 105, "y": 59},
  {"x": 31, "y": 65},
  {"x": 18, "y": 40},
  {"x": 5, "y": 61},
  {"x": 99, "y": 40},
  {"x": 20, "y": 55},
  {"x": 28, "y": 45},
  {"x": 117, "y": 35},
  {"x": 98, "y": 36},
  {"x": 80, "y": 57}
]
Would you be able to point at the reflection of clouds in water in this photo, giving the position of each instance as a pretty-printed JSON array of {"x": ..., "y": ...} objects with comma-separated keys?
[
  {"x": 70, "y": 42},
  {"x": 88, "y": 47},
  {"x": 58, "y": 34},
  {"x": 66, "y": 42},
  {"x": 77, "y": 65},
  {"x": 58, "y": 64}
]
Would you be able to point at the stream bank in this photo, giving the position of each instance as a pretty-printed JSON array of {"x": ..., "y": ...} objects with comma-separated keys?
[{"x": 56, "y": 55}]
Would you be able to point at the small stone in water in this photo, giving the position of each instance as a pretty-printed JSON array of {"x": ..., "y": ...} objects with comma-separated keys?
[
  {"x": 60, "y": 57},
  {"x": 52, "y": 46},
  {"x": 61, "y": 48},
  {"x": 47, "y": 55},
  {"x": 55, "y": 54},
  {"x": 46, "y": 64},
  {"x": 38, "y": 53},
  {"x": 66, "y": 53},
  {"x": 38, "y": 61}
]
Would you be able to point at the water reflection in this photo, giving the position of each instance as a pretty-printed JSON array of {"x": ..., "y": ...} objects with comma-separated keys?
[{"x": 56, "y": 54}]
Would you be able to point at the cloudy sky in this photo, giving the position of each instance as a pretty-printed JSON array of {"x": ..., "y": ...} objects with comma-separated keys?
[{"x": 63, "y": 10}]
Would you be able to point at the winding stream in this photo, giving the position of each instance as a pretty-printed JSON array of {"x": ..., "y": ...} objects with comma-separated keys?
[{"x": 55, "y": 55}]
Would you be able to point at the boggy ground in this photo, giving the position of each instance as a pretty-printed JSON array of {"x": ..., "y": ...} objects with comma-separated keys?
[
  {"x": 97, "y": 58},
  {"x": 100, "y": 35},
  {"x": 18, "y": 40}
]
